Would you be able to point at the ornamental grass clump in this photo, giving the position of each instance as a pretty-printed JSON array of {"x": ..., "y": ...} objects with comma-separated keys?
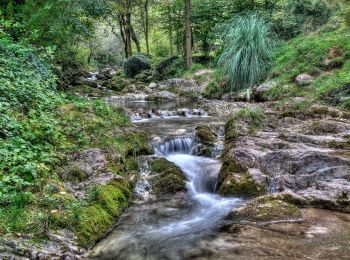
[{"x": 247, "y": 51}]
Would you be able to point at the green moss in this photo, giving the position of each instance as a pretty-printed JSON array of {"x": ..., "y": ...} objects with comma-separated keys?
[
  {"x": 205, "y": 135},
  {"x": 106, "y": 204},
  {"x": 131, "y": 164},
  {"x": 241, "y": 186},
  {"x": 268, "y": 211},
  {"x": 75, "y": 173},
  {"x": 168, "y": 178}
]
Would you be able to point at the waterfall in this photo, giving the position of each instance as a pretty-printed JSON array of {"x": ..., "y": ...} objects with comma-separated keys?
[{"x": 183, "y": 145}]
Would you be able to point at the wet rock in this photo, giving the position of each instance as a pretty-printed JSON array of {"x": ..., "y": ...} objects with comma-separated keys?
[
  {"x": 304, "y": 79},
  {"x": 263, "y": 211},
  {"x": 260, "y": 91},
  {"x": 168, "y": 178}
]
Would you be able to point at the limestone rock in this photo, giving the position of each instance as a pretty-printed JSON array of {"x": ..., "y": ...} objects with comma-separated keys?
[{"x": 304, "y": 79}]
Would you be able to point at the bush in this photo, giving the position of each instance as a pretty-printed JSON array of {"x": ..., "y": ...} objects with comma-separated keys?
[
  {"x": 136, "y": 64},
  {"x": 247, "y": 52},
  {"x": 301, "y": 16},
  {"x": 164, "y": 67}
]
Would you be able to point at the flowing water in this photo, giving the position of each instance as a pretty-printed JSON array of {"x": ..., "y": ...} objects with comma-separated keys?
[{"x": 192, "y": 225}]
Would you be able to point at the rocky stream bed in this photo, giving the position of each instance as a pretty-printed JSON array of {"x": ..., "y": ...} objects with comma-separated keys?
[{"x": 215, "y": 189}]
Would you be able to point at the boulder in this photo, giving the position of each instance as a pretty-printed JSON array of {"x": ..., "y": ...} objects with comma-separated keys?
[
  {"x": 260, "y": 91},
  {"x": 80, "y": 81},
  {"x": 205, "y": 135},
  {"x": 166, "y": 178},
  {"x": 304, "y": 79}
]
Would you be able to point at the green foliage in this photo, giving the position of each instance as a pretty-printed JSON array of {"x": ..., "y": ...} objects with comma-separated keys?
[
  {"x": 300, "y": 16},
  {"x": 247, "y": 52}
]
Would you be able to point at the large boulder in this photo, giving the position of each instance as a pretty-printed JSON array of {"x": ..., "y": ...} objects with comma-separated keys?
[{"x": 136, "y": 64}]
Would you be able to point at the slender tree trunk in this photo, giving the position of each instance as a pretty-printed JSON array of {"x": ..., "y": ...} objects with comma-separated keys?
[
  {"x": 122, "y": 33},
  {"x": 135, "y": 39},
  {"x": 147, "y": 25},
  {"x": 188, "y": 33}
]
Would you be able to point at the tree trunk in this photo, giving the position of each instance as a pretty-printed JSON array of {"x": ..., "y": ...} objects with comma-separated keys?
[
  {"x": 135, "y": 39},
  {"x": 188, "y": 33},
  {"x": 147, "y": 25},
  {"x": 127, "y": 28},
  {"x": 122, "y": 33}
]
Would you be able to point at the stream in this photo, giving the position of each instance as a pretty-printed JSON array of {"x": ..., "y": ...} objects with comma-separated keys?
[{"x": 192, "y": 225}]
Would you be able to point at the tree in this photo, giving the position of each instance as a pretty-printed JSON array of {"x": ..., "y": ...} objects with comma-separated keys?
[{"x": 188, "y": 33}]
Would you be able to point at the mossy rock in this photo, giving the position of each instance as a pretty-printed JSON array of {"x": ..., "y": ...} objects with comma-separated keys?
[
  {"x": 206, "y": 135},
  {"x": 267, "y": 211},
  {"x": 168, "y": 178},
  {"x": 105, "y": 205},
  {"x": 241, "y": 185}
]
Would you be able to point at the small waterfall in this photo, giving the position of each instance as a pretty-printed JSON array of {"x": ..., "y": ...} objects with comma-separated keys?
[
  {"x": 143, "y": 188},
  {"x": 183, "y": 145}
]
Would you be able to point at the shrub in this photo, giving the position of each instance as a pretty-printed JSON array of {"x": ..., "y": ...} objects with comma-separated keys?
[
  {"x": 301, "y": 16},
  {"x": 136, "y": 64},
  {"x": 247, "y": 52}
]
